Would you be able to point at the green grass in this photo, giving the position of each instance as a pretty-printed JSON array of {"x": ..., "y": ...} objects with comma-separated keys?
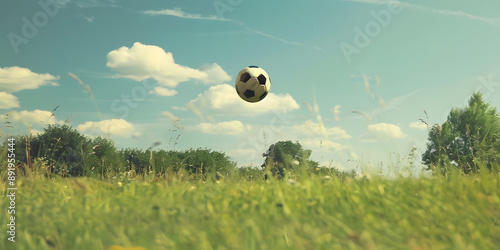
[{"x": 457, "y": 212}]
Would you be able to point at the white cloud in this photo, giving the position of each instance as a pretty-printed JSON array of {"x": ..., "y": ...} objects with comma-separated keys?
[
  {"x": 8, "y": 101},
  {"x": 318, "y": 144},
  {"x": 223, "y": 100},
  {"x": 418, "y": 125},
  {"x": 215, "y": 74},
  {"x": 15, "y": 78},
  {"x": 35, "y": 132},
  {"x": 242, "y": 152},
  {"x": 247, "y": 156},
  {"x": 382, "y": 131},
  {"x": 311, "y": 128},
  {"x": 89, "y": 19},
  {"x": 354, "y": 156},
  {"x": 222, "y": 128},
  {"x": 141, "y": 62},
  {"x": 171, "y": 116},
  {"x": 40, "y": 117},
  {"x": 336, "y": 112},
  {"x": 179, "y": 108},
  {"x": 177, "y": 12},
  {"x": 161, "y": 91},
  {"x": 112, "y": 127}
]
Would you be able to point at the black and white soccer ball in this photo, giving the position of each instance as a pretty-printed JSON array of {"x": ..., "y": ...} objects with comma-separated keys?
[{"x": 253, "y": 84}]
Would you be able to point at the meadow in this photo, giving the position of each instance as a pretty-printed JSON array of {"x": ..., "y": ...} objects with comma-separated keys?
[{"x": 456, "y": 211}]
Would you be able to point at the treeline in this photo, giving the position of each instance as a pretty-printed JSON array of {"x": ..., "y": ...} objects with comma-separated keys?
[
  {"x": 468, "y": 141},
  {"x": 62, "y": 151}
]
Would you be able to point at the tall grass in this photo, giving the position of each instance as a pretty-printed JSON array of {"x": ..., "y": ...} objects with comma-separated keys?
[{"x": 175, "y": 212}]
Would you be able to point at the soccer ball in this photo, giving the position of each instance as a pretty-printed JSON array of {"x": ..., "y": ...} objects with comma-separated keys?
[{"x": 253, "y": 84}]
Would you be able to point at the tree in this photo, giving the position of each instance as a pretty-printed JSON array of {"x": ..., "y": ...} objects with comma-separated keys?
[
  {"x": 104, "y": 157},
  {"x": 470, "y": 136},
  {"x": 137, "y": 159},
  {"x": 64, "y": 147},
  {"x": 285, "y": 155},
  {"x": 205, "y": 162}
]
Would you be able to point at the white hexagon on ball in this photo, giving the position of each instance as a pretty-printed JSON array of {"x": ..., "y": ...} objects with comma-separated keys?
[{"x": 253, "y": 84}]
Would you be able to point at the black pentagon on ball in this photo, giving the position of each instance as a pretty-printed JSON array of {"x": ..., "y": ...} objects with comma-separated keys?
[
  {"x": 249, "y": 93},
  {"x": 245, "y": 77},
  {"x": 263, "y": 95},
  {"x": 253, "y": 66},
  {"x": 262, "y": 79}
]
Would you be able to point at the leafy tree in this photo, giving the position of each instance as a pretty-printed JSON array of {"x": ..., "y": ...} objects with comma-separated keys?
[
  {"x": 199, "y": 162},
  {"x": 136, "y": 159},
  {"x": 63, "y": 147},
  {"x": 285, "y": 155},
  {"x": 166, "y": 161},
  {"x": 205, "y": 162},
  {"x": 103, "y": 157},
  {"x": 470, "y": 135},
  {"x": 249, "y": 173}
]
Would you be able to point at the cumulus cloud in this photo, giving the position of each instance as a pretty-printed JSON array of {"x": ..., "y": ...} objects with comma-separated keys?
[
  {"x": 13, "y": 79},
  {"x": 318, "y": 144},
  {"x": 223, "y": 100},
  {"x": 312, "y": 128},
  {"x": 246, "y": 156},
  {"x": 141, "y": 62},
  {"x": 222, "y": 128},
  {"x": 242, "y": 152},
  {"x": 382, "y": 131},
  {"x": 112, "y": 127},
  {"x": 418, "y": 125},
  {"x": 161, "y": 91},
  {"x": 8, "y": 101},
  {"x": 36, "y": 132},
  {"x": 35, "y": 117},
  {"x": 215, "y": 72}
]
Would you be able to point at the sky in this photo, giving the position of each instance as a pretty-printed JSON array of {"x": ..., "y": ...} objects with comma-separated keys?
[{"x": 351, "y": 79}]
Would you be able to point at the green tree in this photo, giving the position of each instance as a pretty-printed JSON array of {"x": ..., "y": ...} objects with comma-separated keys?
[
  {"x": 103, "y": 158},
  {"x": 204, "y": 162},
  {"x": 136, "y": 159},
  {"x": 470, "y": 136},
  {"x": 286, "y": 155},
  {"x": 64, "y": 147}
]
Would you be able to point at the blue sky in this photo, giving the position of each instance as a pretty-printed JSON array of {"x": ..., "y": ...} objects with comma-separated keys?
[{"x": 350, "y": 79}]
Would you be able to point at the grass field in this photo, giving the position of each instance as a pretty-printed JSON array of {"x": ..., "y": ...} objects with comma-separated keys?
[{"x": 457, "y": 212}]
